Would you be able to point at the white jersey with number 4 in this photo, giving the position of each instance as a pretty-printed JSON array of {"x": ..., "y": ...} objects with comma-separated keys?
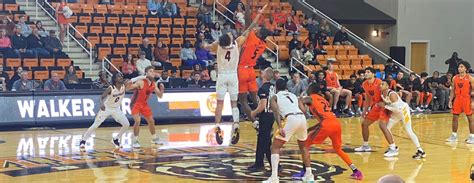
[
  {"x": 114, "y": 99},
  {"x": 228, "y": 58},
  {"x": 287, "y": 103}
]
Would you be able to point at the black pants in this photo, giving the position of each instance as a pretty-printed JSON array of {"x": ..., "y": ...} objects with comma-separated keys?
[{"x": 264, "y": 138}]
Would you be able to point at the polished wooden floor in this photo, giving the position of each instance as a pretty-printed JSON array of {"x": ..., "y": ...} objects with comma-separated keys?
[{"x": 190, "y": 155}]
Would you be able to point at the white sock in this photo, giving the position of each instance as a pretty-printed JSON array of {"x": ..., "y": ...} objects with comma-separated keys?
[
  {"x": 275, "y": 159},
  {"x": 136, "y": 138},
  {"x": 308, "y": 171},
  {"x": 455, "y": 134},
  {"x": 235, "y": 114},
  {"x": 393, "y": 146},
  {"x": 471, "y": 135},
  {"x": 420, "y": 149},
  {"x": 366, "y": 143},
  {"x": 153, "y": 136}
]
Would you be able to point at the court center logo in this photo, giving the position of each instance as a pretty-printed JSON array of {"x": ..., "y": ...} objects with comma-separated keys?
[{"x": 212, "y": 102}]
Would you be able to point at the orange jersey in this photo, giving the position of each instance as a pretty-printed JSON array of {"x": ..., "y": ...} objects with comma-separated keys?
[
  {"x": 141, "y": 95},
  {"x": 252, "y": 49},
  {"x": 373, "y": 90},
  {"x": 462, "y": 86},
  {"x": 331, "y": 79},
  {"x": 320, "y": 108}
]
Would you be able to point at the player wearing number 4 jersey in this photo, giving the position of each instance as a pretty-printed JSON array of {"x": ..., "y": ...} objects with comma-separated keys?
[
  {"x": 228, "y": 54},
  {"x": 110, "y": 102}
]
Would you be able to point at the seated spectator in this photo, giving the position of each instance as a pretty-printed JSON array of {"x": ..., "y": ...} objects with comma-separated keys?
[
  {"x": 239, "y": 19},
  {"x": 216, "y": 31},
  {"x": 204, "y": 73},
  {"x": 297, "y": 52},
  {"x": 294, "y": 42},
  {"x": 161, "y": 54},
  {"x": 357, "y": 92},
  {"x": 25, "y": 30},
  {"x": 213, "y": 73},
  {"x": 227, "y": 28},
  {"x": 341, "y": 37},
  {"x": 392, "y": 84},
  {"x": 129, "y": 68},
  {"x": 324, "y": 28},
  {"x": 310, "y": 55},
  {"x": 321, "y": 81},
  {"x": 35, "y": 44},
  {"x": 4, "y": 79},
  {"x": 296, "y": 67},
  {"x": 453, "y": 63},
  {"x": 439, "y": 90},
  {"x": 188, "y": 56},
  {"x": 232, "y": 7},
  {"x": 295, "y": 85},
  {"x": 15, "y": 77},
  {"x": 425, "y": 94},
  {"x": 334, "y": 86},
  {"x": 276, "y": 76},
  {"x": 204, "y": 54},
  {"x": 204, "y": 30},
  {"x": 272, "y": 26},
  {"x": 290, "y": 27},
  {"x": 196, "y": 81},
  {"x": 5, "y": 44},
  {"x": 168, "y": 9},
  {"x": 23, "y": 84},
  {"x": 42, "y": 32},
  {"x": 279, "y": 17},
  {"x": 312, "y": 26},
  {"x": 400, "y": 87},
  {"x": 71, "y": 77},
  {"x": 53, "y": 45},
  {"x": 54, "y": 84},
  {"x": 147, "y": 48},
  {"x": 154, "y": 7},
  {"x": 142, "y": 63},
  {"x": 391, "y": 68},
  {"x": 19, "y": 44},
  {"x": 102, "y": 82},
  {"x": 204, "y": 16},
  {"x": 444, "y": 85},
  {"x": 414, "y": 87},
  {"x": 164, "y": 78}
]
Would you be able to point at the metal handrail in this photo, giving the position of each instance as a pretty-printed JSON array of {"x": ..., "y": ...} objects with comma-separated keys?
[
  {"x": 304, "y": 65},
  {"x": 277, "y": 52},
  {"x": 110, "y": 63},
  {"x": 365, "y": 43},
  {"x": 68, "y": 33}
]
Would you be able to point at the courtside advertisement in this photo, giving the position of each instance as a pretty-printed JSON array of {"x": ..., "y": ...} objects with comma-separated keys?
[{"x": 84, "y": 107}]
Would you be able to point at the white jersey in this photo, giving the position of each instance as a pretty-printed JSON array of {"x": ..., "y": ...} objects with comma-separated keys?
[
  {"x": 228, "y": 58},
  {"x": 114, "y": 99},
  {"x": 287, "y": 103},
  {"x": 400, "y": 109}
]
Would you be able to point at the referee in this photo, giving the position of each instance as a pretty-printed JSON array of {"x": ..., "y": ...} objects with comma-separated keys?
[{"x": 266, "y": 118}]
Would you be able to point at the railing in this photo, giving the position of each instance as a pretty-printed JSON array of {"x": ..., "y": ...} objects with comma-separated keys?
[
  {"x": 275, "y": 53},
  {"x": 104, "y": 68},
  {"x": 293, "y": 59},
  {"x": 72, "y": 36},
  {"x": 379, "y": 54}
]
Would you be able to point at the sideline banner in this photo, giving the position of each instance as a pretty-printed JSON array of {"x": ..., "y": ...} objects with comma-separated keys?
[{"x": 48, "y": 107}]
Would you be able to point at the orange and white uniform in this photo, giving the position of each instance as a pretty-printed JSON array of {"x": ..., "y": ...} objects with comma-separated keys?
[
  {"x": 252, "y": 49},
  {"x": 373, "y": 91}
]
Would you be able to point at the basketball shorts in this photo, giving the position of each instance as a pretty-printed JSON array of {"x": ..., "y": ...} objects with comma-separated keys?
[
  {"x": 142, "y": 109},
  {"x": 378, "y": 113},
  {"x": 293, "y": 125},
  {"x": 115, "y": 112},
  {"x": 247, "y": 80},
  {"x": 462, "y": 105},
  {"x": 329, "y": 128},
  {"x": 227, "y": 82}
]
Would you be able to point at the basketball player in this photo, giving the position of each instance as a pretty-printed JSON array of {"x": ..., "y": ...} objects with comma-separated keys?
[
  {"x": 228, "y": 54},
  {"x": 400, "y": 112},
  {"x": 110, "y": 102},
  {"x": 143, "y": 89},
  {"x": 252, "y": 49},
  {"x": 373, "y": 96},
  {"x": 328, "y": 126},
  {"x": 461, "y": 88},
  {"x": 285, "y": 105}
]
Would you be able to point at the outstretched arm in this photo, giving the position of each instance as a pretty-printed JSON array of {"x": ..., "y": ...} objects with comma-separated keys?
[
  {"x": 211, "y": 47},
  {"x": 241, "y": 39}
]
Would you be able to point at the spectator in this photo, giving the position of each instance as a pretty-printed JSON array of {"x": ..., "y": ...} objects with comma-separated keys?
[
  {"x": 71, "y": 77},
  {"x": 102, "y": 82},
  {"x": 204, "y": 16},
  {"x": 196, "y": 81},
  {"x": 425, "y": 92},
  {"x": 164, "y": 78},
  {"x": 444, "y": 85},
  {"x": 391, "y": 68},
  {"x": 25, "y": 30},
  {"x": 239, "y": 19},
  {"x": 312, "y": 26},
  {"x": 142, "y": 63},
  {"x": 169, "y": 9},
  {"x": 414, "y": 87},
  {"x": 279, "y": 17},
  {"x": 54, "y": 84},
  {"x": 401, "y": 86},
  {"x": 307, "y": 81},
  {"x": 204, "y": 73},
  {"x": 147, "y": 48},
  {"x": 321, "y": 82},
  {"x": 261, "y": 21},
  {"x": 188, "y": 56},
  {"x": 53, "y": 45},
  {"x": 295, "y": 85},
  {"x": 298, "y": 52},
  {"x": 214, "y": 73},
  {"x": 309, "y": 56},
  {"x": 15, "y": 77},
  {"x": 294, "y": 42},
  {"x": 263, "y": 61},
  {"x": 324, "y": 27},
  {"x": 334, "y": 86},
  {"x": 5, "y": 44},
  {"x": 35, "y": 44},
  {"x": 297, "y": 67},
  {"x": 154, "y": 7},
  {"x": 216, "y": 31},
  {"x": 341, "y": 37},
  {"x": 453, "y": 63},
  {"x": 357, "y": 92},
  {"x": 293, "y": 16},
  {"x": 228, "y": 29},
  {"x": 23, "y": 84},
  {"x": 62, "y": 18},
  {"x": 290, "y": 27},
  {"x": 4, "y": 79},
  {"x": 161, "y": 54},
  {"x": 129, "y": 68},
  {"x": 439, "y": 92},
  {"x": 232, "y": 6},
  {"x": 272, "y": 26},
  {"x": 300, "y": 22},
  {"x": 276, "y": 76},
  {"x": 19, "y": 44},
  {"x": 204, "y": 54},
  {"x": 42, "y": 32},
  {"x": 204, "y": 30}
]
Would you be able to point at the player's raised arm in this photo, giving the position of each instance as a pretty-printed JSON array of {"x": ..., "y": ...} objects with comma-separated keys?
[
  {"x": 159, "y": 90},
  {"x": 211, "y": 47},
  {"x": 242, "y": 38}
]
